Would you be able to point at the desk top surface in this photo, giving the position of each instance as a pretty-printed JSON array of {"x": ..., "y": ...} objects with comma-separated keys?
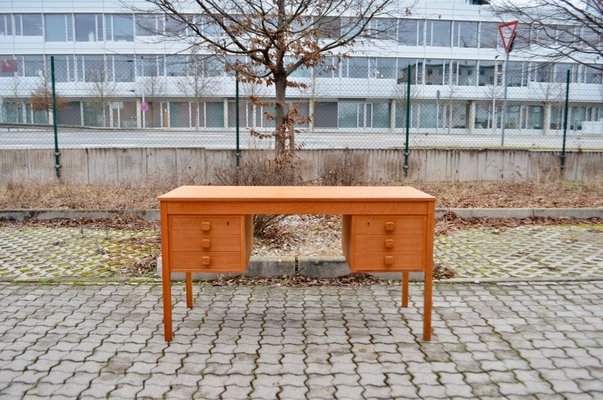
[{"x": 296, "y": 193}]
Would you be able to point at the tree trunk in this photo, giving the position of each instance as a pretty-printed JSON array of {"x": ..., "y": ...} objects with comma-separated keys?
[{"x": 280, "y": 120}]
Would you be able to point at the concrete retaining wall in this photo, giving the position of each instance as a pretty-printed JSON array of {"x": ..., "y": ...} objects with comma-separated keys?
[{"x": 139, "y": 166}]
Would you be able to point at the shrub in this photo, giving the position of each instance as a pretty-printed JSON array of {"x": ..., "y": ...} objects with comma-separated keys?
[{"x": 258, "y": 169}]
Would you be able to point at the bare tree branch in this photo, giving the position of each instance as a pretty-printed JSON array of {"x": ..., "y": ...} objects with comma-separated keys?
[{"x": 277, "y": 36}]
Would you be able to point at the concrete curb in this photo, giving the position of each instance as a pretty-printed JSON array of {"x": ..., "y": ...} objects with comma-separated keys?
[
  {"x": 50, "y": 214},
  {"x": 153, "y": 214}
]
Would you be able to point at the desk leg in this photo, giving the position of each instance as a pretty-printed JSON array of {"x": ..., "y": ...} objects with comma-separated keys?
[
  {"x": 427, "y": 308},
  {"x": 405, "y": 289},
  {"x": 167, "y": 307},
  {"x": 189, "y": 289}
]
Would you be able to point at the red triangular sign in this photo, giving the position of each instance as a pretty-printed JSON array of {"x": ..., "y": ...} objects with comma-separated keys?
[{"x": 507, "y": 34}]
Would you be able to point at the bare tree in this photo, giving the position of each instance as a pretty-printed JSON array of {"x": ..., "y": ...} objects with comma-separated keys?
[
  {"x": 197, "y": 84},
  {"x": 563, "y": 28},
  {"x": 41, "y": 97},
  {"x": 277, "y": 36},
  {"x": 102, "y": 91},
  {"x": 152, "y": 89},
  {"x": 494, "y": 94}
]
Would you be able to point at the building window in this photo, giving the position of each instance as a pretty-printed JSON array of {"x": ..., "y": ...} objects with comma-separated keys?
[
  {"x": 407, "y": 31},
  {"x": 577, "y": 116},
  {"x": 179, "y": 114},
  {"x": 415, "y": 75},
  {"x": 438, "y": 33},
  {"x": 513, "y": 117},
  {"x": 245, "y": 114},
  {"x": 119, "y": 27},
  {"x": 301, "y": 71},
  {"x": 363, "y": 115},
  {"x": 33, "y": 66},
  {"x": 561, "y": 72},
  {"x": 122, "y": 68},
  {"x": 436, "y": 72},
  {"x": 541, "y": 72},
  {"x": 381, "y": 115},
  {"x": 487, "y": 73},
  {"x": 91, "y": 68},
  {"x": 214, "y": 114},
  {"x": 383, "y": 68},
  {"x": 593, "y": 74},
  {"x": 466, "y": 72},
  {"x": 355, "y": 67},
  {"x": 458, "y": 115},
  {"x": 88, "y": 27},
  {"x": 71, "y": 114},
  {"x": 176, "y": 65},
  {"x": 383, "y": 28},
  {"x": 64, "y": 68},
  {"x": 489, "y": 35},
  {"x": 59, "y": 27},
  {"x": 465, "y": 34},
  {"x": 328, "y": 27},
  {"x": 213, "y": 66},
  {"x": 328, "y": 68},
  {"x": 401, "y": 115},
  {"x": 6, "y": 25},
  {"x": 9, "y": 66},
  {"x": 535, "y": 118},
  {"x": 325, "y": 115},
  {"x": 348, "y": 115},
  {"x": 148, "y": 24},
  {"x": 28, "y": 24},
  {"x": 516, "y": 74},
  {"x": 151, "y": 65}
]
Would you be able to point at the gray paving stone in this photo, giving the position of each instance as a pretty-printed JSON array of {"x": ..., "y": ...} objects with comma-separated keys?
[{"x": 494, "y": 368}]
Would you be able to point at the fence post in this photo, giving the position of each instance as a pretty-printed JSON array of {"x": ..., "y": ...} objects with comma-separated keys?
[
  {"x": 567, "y": 83},
  {"x": 238, "y": 150},
  {"x": 57, "y": 154},
  {"x": 407, "y": 122}
]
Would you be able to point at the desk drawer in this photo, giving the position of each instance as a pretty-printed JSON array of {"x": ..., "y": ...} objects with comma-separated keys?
[
  {"x": 394, "y": 225},
  {"x": 387, "y": 261},
  {"x": 389, "y": 243},
  {"x": 198, "y": 261},
  {"x": 206, "y": 243},
  {"x": 193, "y": 225}
]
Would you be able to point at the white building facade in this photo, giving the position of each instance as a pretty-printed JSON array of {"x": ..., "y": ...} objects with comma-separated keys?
[{"x": 109, "y": 61}]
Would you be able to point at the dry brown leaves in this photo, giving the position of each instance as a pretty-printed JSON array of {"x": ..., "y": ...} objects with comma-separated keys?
[
  {"x": 116, "y": 223},
  {"x": 481, "y": 194},
  {"x": 355, "y": 279},
  {"x": 488, "y": 194}
]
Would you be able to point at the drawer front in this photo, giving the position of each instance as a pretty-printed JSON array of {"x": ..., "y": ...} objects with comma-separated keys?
[
  {"x": 196, "y": 261},
  {"x": 389, "y": 243},
  {"x": 206, "y": 243},
  {"x": 394, "y": 225},
  {"x": 388, "y": 261},
  {"x": 190, "y": 225}
]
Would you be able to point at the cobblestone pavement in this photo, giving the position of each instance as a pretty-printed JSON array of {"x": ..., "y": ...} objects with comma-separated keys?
[
  {"x": 37, "y": 252},
  {"x": 524, "y": 252},
  {"x": 519, "y": 340}
]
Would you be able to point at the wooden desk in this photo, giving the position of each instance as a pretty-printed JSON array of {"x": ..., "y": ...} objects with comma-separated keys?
[{"x": 209, "y": 229}]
